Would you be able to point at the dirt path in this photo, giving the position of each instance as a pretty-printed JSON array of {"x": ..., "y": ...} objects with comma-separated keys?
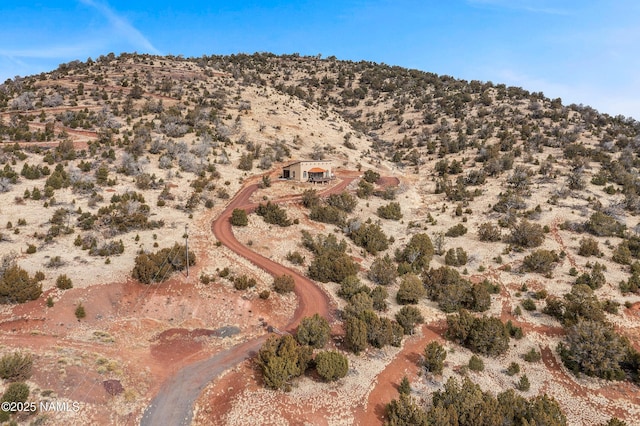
[
  {"x": 173, "y": 405},
  {"x": 407, "y": 363}
]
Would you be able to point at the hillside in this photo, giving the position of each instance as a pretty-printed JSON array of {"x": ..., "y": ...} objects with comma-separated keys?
[{"x": 493, "y": 199}]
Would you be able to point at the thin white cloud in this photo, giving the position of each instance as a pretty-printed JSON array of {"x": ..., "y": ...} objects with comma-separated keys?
[
  {"x": 123, "y": 27},
  {"x": 523, "y": 5},
  {"x": 50, "y": 52}
]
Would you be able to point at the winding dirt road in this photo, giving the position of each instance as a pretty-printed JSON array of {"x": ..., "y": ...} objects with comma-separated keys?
[{"x": 173, "y": 405}]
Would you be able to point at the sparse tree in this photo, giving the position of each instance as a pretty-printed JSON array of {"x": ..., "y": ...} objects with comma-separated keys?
[
  {"x": 16, "y": 366},
  {"x": 283, "y": 284},
  {"x": 355, "y": 334},
  {"x": 282, "y": 359},
  {"x": 411, "y": 290},
  {"x": 383, "y": 271},
  {"x": 434, "y": 356},
  {"x": 313, "y": 331},
  {"x": 408, "y": 317},
  {"x": 331, "y": 365},
  {"x": 239, "y": 217}
]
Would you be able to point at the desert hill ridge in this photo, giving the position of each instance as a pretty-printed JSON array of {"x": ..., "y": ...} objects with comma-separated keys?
[{"x": 104, "y": 159}]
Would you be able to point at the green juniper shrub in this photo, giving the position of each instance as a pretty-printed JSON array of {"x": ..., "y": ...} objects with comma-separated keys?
[
  {"x": 63, "y": 282},
  {"x": 390, "y": 211},
  {"x": 411, "y": 290},
  {"x": 313, "y": 331},
  {"x": 523, "y": 384},
  {"x": 239, "y": 217},
  {"x": 532, "y": 356},
  {"x": 408, "y": 317},
  {"x": 417, "y": 253},
  {"x": 283, "y": 284},
  {"x": 264, "y": 294},
  {"x": 541, "y": 261},
  {"x": 489, "y": 232},
  {"x": 80, "y": 311},
  {"x": 273, "y": 214},
  {"x": 16, "y": 366},
  {"x": 434, "y": 356},
  {"x": 404, "y": 388},
  {"x": 526, "y": 234},
  {"x": 244, "y": 282},
  {"x": 529, "y": 304},
  {"x": 476, "y": 363},
  {"x": 513, "y": 369},
  {"x": 379, "y": 296},
  {"x": 456, "y": 231},
  {"x": 383, "y": 271},
  {"x": 484, "y": 335},
  {"x": 331, "y": 365},
  {"x": 588, "y": 247},
  {"x": 295, "y": 257}
]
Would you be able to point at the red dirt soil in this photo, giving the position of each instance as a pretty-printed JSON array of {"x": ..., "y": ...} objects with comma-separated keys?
[
  {"x": 406, "y": 362},
  {"x": 174, "y": 402}
]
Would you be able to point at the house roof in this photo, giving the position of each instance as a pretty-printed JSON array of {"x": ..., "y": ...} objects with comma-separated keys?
[
  {"x": 317, "y": 170},
  {"x": 308, "y": 161}
]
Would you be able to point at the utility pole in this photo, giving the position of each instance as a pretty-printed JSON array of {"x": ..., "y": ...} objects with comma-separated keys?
[{"x": 186, "y": 246}]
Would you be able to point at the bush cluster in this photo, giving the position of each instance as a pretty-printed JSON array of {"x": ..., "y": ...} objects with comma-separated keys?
[
  {"x": 158, "y": 266},
  {"x": 343, "y": 201},
  {"x": 370, "y": 237},
  {"x": 456, "y": 231},
  {"x": 16, "y": 286},
  {"x": 456, "y": 257},
  {"x": 526, "y": 234},
  {"x": 603, "y": 225},
  {"x": 595, "y": 349},
  {"x": 16, "y": 366},
  {"x": 283, "y": 284},
  {"x": 327, "y": 214},
  {"x": 63, "y": 282},
  {"x": 390, "y": 211},
  {"x": 411, "y": 290},
  {"x": 273, "y": 214},
  {"x": 452, "y": 292},
  {"x": 417, "y": 254},
  {"x": 465, "y": 403},
  {"x": 331, "y": 365},
  {"x": 595, "y": 279},
  {"x": 484, "y": 335},
  {"x": 243, "y": 282},
  {"x": 331, "y": 262},
  {"x": 541, "y": 261},
  {"x": 383, "y": 271},
  {"x": 280, "y": 359},
  {"x": 239, "y": 217}
]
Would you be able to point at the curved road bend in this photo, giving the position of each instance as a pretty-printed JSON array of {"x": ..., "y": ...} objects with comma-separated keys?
[{"x": 173, "y": 405}]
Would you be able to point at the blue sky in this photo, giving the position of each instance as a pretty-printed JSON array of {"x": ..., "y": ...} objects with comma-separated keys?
[{"x": 582, "y": 51}]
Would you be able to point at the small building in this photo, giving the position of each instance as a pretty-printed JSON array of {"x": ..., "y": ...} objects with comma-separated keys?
[{"x": 308, "y": 171}]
